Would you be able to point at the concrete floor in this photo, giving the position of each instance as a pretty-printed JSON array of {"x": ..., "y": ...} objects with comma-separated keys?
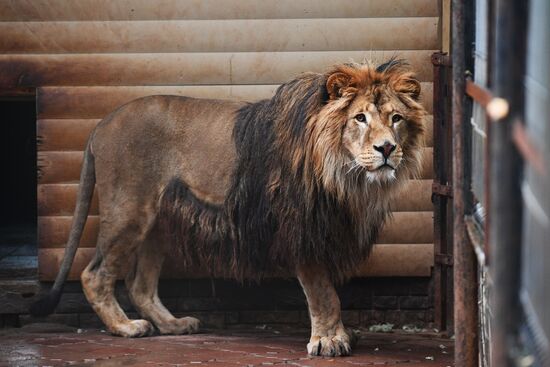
[{"x": 51, "y": 345}]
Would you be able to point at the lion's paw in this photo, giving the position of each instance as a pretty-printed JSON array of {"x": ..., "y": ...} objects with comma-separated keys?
[
  {"x": 329, "y": 346},
  {"x": 184, "y": 325},
  {"x": 134, "y": 329}
]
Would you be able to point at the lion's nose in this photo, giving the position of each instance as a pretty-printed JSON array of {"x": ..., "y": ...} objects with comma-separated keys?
[{"x": 386, "y": 149}]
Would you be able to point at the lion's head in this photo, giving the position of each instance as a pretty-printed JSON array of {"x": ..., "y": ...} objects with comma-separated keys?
[
  {"x": 370, "y": 128},
  {"x": 319, "y": 163}
]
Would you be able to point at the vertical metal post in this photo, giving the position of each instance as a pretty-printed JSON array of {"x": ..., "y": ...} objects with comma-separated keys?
[
  {"x": 441, "y": 198},
  {"x": 465, "y": 275},
  {"x": 505, "y": 210}
]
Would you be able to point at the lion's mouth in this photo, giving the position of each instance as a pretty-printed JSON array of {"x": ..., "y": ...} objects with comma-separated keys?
[{"x": 385, "y": 166}]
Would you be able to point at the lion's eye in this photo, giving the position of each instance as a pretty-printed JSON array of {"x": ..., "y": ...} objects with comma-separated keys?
[
  {"x": 396, "y": 118},
  {"x": 361, "y": 117}
]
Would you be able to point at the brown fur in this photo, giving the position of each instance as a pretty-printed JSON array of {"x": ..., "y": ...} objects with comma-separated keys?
[{"x": 295, "y": 182}]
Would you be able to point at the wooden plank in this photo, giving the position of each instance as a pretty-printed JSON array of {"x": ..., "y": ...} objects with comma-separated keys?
[
  {"x": 72, "y": 134},
  {"x": 97, "y": 102},
  {"x": 407, "y": 227},
  {"x": 59, "y": 199},
  {"x": 403, "y": 227},
  {"x": 184, "y": 68},
  {"x": 416, "y": 196},
  {"x": 62, "y": 10},
  {"x": 94, "y": 102},
  {"x": 429, "y": 134},
  {"x": 64, "y": 167},
  {"x": 257, "y": 35},
  {"x": 59, "y": 167},
  {"x": 399, "y": 261},
  {"x": 385, "y": 260},
  {"x": 53, "y": 232},
  {"x": 64, "y": 134}
]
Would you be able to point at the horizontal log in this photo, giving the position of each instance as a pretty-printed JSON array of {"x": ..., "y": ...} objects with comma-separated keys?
[
  {"x": 184, "y": 68},
  {"x": 72, "y": 134},
  {"x": 62, "y": 10},
  {"x": 403, "y": 227},
  {"x": 399, "y": 261},
  {"x": 385, "y": 260},
  {"x": 64, "y": 167},
  {"x": 59, "y": 167},
  {"x": 416, "y": 196},
  {"x": 59, "y": 199},
  {"x": 429, "y": 133},
  {"x": 407, "y": 227},
  {"x": 97, "y": 102},
  {"x": 53, "y": 232},
  {"x": 64, "y": 134},
  {"x": 427, "y": 171},
  {"x": 258, "y": 35}
]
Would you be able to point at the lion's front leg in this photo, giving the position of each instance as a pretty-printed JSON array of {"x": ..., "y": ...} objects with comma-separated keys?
[{"x": 328, "y": 336}]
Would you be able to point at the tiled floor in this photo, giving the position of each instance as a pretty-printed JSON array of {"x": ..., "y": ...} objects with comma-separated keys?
[{"x": 34, "y": 346}]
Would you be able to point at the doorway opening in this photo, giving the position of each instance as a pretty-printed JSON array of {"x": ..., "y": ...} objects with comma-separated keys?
[{"x": 18, "y": 209}]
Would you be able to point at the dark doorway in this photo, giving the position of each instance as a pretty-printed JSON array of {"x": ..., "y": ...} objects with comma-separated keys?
[{"x": 18, "y": 216}]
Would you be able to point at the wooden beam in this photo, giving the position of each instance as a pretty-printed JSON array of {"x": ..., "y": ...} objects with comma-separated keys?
[
  {"x": 64, "y": 134},
  {"x": 59, "y": 199},
  {"x": 403, "y": 227},
  {"x": 72, "y": 134},
  {"x": 64, "y": 167},
  {"x": 184, "y": 68},
  {"x": 94, "y": 102},
  {"x": 385, "y": 260},
  {"x": 53, "y": 232},
  {"x": 62, "y": 10},
  {"x": 250, "y": 35}
]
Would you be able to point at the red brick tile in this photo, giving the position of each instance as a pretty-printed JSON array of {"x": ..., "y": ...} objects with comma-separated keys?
[{"x": 229, "y": 348}]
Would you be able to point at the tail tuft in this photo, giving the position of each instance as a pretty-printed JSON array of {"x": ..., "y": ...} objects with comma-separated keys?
[{"x": 45, "y": 305}]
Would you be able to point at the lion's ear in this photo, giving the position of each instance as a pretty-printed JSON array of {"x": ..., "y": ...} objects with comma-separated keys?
[
  {"x": 408, "y": 84},
  {"x": 336, "y": 82}
]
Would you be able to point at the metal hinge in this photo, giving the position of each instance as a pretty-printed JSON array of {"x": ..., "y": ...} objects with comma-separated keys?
[
  {"x": 442, "y": 190},
  {"x": 444, "y": 259},
  {"x": 441, "y": 59}
]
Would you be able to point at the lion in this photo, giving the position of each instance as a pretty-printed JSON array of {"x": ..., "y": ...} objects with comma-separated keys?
[{"x": 299, "y": 183}]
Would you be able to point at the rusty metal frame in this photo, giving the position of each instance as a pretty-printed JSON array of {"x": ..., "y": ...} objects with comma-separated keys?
[
  {"x": 442, "y": 194},
  {"x": 528, "y": 149},
  {"x": 465, "y": 262},
  {"x": 479, "y": 94}
]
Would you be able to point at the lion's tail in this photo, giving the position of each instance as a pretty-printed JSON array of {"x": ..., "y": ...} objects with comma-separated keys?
[{"x": 47, "y": 304}]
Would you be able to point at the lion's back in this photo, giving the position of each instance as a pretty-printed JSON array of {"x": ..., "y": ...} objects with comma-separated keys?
[{"x": 150, "y": 141}]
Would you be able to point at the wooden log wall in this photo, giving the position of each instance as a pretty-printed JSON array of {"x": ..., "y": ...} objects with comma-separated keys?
[{"x": 88, "y": 57}]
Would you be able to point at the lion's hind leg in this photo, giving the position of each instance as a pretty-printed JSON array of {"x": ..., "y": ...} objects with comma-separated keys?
[
  {"x": 142, "y": 286},
  {"x": 98, "y": 283}
]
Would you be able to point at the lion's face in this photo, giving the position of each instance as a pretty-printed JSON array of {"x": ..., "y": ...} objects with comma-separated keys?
[
  {"x": 370, "y": 129},
  {"x": 374, "y": 131}
]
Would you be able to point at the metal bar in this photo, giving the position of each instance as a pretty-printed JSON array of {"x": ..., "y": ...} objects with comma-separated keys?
[
  {"x": 506, "y": 204},
  {"x": 528, "y": 148},
  {"x": 440, "y": 275},
  {"x": 441, "y": 59},
  {"x": 478, "y": 93},
  {"x": 476, "y": 239},
  {"x": 465, "y": 276},
  {"x": 442, "y": 190}
]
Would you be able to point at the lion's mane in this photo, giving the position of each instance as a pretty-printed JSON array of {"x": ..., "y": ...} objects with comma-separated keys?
[{"x": 291, "y": 200}]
